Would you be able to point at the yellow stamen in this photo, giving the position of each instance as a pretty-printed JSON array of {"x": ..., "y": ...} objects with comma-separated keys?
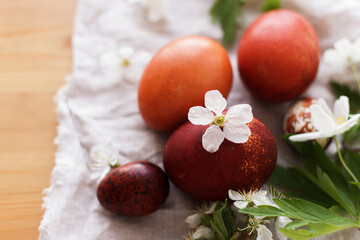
[
  {"x": 340, "y": 120},
  {"x": 125, "y": 62},
  {"x": 218, "y": 121}
]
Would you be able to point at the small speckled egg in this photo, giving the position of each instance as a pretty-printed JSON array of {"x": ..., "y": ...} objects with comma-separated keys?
[
  {"x": 134, "y": 189},
  {"x": 298, "y": 119}
]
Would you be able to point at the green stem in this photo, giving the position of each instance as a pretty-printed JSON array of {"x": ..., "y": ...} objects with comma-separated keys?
[
  {"x": 343, "y": 162},
  {"x": 356, "y": 75}
]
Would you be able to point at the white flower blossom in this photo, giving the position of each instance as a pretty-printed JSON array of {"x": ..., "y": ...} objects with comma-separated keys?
[
  {"x": 343, "y": 52},
  {"x": 263, "y": 233},
  {"x": 233, "y": 122},
  {"x": 256, "y": 224},
  {"x": 128, "y": 62},
  {"x": 203, "y": 232},
  {"x": 342, "y": 61},
  {"x": 156, "y": 9},
  {"x": 194, "y": 220},
  {"x": 326, "y": 123},
  {"x": 104, "y": 156},
  {"x": 242, "y": 199},
  {"x": 281, "y": 223}
]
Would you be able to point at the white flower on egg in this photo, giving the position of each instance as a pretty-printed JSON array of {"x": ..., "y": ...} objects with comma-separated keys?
[
  {"x": 231, "y": 125},
  {"x": 327, "y": 123},
  {"x": 128, "y": 62}
]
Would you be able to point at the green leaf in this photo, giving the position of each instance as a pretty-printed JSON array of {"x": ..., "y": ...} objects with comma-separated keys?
[
  {"x": 271, "y": 5},
  {"x": 299, "y": 186},
  {"x": 355, "y": 183},
  {"x": 338, "y": 210},
  {"x": 263, "y": 210},
  {"x": 316, "y": 219},
  {"x": 314, "y": 156},
  {"x": 296, "y": 224},
  {"x": 313, "y": 230},
  {"x": 319, "y": 228},
  {"x": 226, "y": 12},
  {"x": 304, "y": 210},
  {"x": 281, "y": 177},
  {"x": 341, "y": 222},
  {"x": 353, "y": 95},
  {"x": 326, "y": 184},
  {"x": 206, "y": 220},
  {"x": 352, "y": 160},
  {"x": 214, "y": 227},
  {"x": 223, "y": 220}
]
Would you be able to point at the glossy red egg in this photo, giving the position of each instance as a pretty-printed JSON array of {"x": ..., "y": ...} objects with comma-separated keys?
[
  {"x": 178, "y": 77},
  {"x": 278, "y": 55},
  {"x": 134, "y": 189},
  {"x": 209, "y": 176}
]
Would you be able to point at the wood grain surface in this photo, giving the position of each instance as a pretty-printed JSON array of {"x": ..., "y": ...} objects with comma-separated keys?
[{"x": 35, "y": 56}]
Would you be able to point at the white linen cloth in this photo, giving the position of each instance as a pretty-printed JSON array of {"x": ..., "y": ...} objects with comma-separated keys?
[{"x": 104, "y": 108}]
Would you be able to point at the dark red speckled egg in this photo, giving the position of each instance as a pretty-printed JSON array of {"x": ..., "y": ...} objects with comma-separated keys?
[
  {"x": 209, "y": 176},
  {"x": 134, "y": 189}
]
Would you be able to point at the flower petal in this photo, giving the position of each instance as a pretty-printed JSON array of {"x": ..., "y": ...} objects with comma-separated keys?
[
  {"x": 344, "y": 48},
  {"x": 262, "y": 199},
  {"x": 263, "y": 233},
  {"x": 321, "y": 102},
  {"x": 200, "y": 116},
  {"x": 240, "y": 204},
  {"x": 203, "y": 232},
  {"x": 342, "y": 108},
  {"x": 356, "y": 51},
  {"x": 237, "y": 133},
  {"x": 141, "y": 58},
  {"x": 307, "y": 136},
  {"x": 331, "y": 57},
  {"x": 125, "y": 52},
  {"x": 156, "y": 10},
  {"x": 211, "y": 209},
  {"x": 281, "y": 223},
  {"x": 193, "y": 220},
  {"x": 234, "y": 195},
  {"x": 110, "y": 60},
  {"x": 241, "y": 113},
  {"x": 215, "y": 102},
  {"x": 347, "y": 125},
  {"x": 133, "y": 73},
  {"x": 321, "y": 120},
  {"x": 212, "y": 139}
]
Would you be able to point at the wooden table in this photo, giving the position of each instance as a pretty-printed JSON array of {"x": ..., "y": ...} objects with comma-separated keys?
[{"x": 35, "y": 56}]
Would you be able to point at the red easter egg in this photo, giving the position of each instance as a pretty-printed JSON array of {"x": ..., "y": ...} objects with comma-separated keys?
[
  {"x": 178, "y": 77},
  {"x": 134, "y": 189},
  {"x": 209, "y": 176},
  {"x": 278, "y": 55}
]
